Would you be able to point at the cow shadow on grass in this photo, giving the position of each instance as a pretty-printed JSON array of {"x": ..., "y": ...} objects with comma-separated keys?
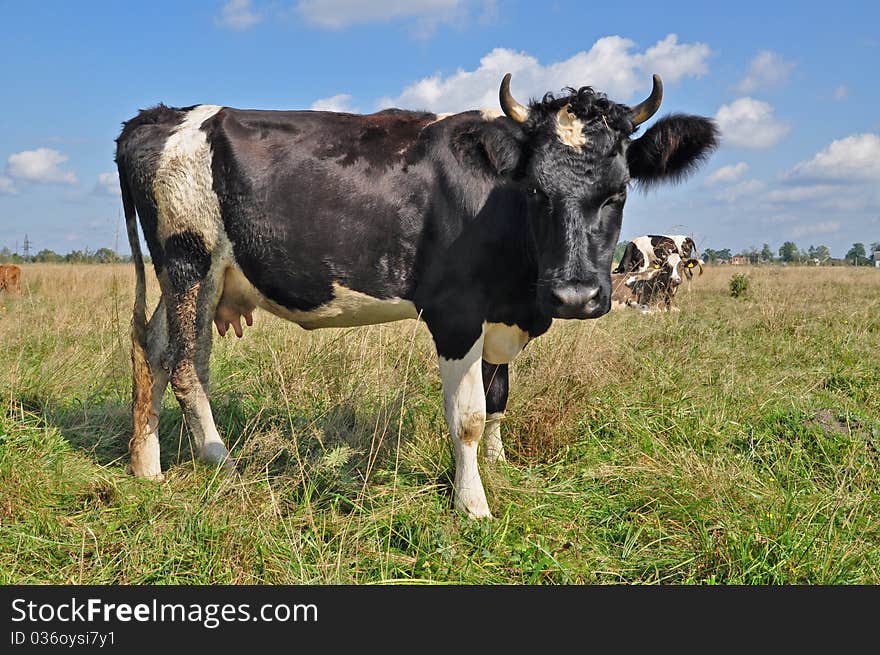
[{"x": 328, "y": 454}]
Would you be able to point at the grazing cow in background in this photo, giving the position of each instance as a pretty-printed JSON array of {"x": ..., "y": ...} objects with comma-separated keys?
[
  {"x": 670, "y": 256},
  {"x": 487, "y": 226},
  {"x": 628, "y": 290},
  {"x": 10, "y": 278}
]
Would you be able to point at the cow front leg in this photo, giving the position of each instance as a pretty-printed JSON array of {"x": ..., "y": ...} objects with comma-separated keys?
[
  {"x": 465, "y": 407},
  {"x": 496, "y": 386}
]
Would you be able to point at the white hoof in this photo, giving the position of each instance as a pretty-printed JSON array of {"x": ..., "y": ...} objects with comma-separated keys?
[
  {"x": 493, "y": 448},
  {"x": 215, "y": 453},
  {"x": 145, "y": 459},
  {"x": 473, "y": 504}
]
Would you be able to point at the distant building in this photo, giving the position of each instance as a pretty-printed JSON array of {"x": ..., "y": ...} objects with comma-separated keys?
[
  {"x": 739, "y": 260},
  {"x": 877, "y": 259}
]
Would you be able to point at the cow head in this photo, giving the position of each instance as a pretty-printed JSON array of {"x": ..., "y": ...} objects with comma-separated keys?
[
  {"x": 671, "y": 257},
  {"x": 575, "y": 157}
]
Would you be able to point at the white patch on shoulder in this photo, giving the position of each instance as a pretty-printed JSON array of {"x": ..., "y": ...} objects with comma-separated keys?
[
  {"x": 569, "y": 129},
  {"x": 183, "y": 186},
  {"x": 490, "y": 114},
  {"x": 502, "y": 342}
]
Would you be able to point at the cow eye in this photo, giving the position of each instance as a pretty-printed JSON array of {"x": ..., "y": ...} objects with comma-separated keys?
[
  {"x": 534, "y": 193},
  {"x": 616, "y": 198},
  {"x": 658, "y": 265}
]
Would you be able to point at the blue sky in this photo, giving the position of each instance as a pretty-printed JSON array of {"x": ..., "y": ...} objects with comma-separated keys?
[{"x": 794, "y": 86}]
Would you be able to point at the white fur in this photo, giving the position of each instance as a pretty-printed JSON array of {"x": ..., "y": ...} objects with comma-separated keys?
[
  {"x": 465, "y": 407},
  {"x": 183, "y": 185},
  {"x": 347, "y": 308},
  {"x": 672, "y": 263},
  {"x": 350, "y": 308},
  {"x": 441, "y": 116},
  {"x": 502, "y": 342},
  {"x": 569, "y": 129},
  {"x": 490, "y": 114},
  {"x": 493, "y": 448}
]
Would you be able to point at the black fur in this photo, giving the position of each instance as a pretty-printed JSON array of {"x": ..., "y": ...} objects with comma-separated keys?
[
  {"x": 138, "y": 149},
  {"x": 671, "y": 149},
  {"x": 187, "y": 260},
  {"x": 496, "y": 386},
  {"x": 632, "y": 260}
]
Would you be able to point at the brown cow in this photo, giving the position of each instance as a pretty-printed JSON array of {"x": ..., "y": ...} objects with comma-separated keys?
[{"x": 10, "y": 279}]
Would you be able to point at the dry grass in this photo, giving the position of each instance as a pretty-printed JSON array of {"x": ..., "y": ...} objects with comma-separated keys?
[{"x": 733, "y": 442}]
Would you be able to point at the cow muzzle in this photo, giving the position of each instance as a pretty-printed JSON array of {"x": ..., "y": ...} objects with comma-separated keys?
[{"x": 577, "y": 300}]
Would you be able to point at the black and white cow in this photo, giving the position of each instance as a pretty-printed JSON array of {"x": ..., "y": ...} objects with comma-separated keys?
[
  {"x": 487, "y": 226},
  {"x": 671, "y": 256}
]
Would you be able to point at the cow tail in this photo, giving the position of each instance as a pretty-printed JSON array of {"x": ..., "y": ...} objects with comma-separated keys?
[{"x": 142, "y": 376}]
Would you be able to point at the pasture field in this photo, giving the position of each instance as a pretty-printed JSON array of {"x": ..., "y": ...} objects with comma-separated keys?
[{"x": 734, "y": 442}]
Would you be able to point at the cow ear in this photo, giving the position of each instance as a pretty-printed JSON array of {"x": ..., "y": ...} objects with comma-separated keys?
[
  {"x": 502, "y": 145},
  {"x": 691, "y": 264},
  {"x": 671, "y": 149}
]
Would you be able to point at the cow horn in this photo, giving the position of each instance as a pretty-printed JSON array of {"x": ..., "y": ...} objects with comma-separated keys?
[
  {"x": 512, "y": 109},
  {"x": 644, "y": 110}
]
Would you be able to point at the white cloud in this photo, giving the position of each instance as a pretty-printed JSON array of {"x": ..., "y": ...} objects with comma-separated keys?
[
  {"x": 854, "y": 158},
  {"x": 743, "y": 189},
  {"x": 611, "y": 65},
  {"x": 767, "y": 70},
  {"x": 841, "y": 92},
  {"x": 340, "y": 102},
  {"x": 238, "y": 15},
  {"x": 750, "y": 123},
  {"x": 40, "y": 165},
  {"x": 108, "y": 184},
  {"x": 727, "y": 174},
  {"x": 824, "y": 227},
  {"x": 7, "y": 186},
  {"x": 337, "y": 14},
  {"x": 801, "y": 193}
]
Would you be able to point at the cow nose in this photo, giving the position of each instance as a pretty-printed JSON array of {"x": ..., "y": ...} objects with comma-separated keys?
[{"x": 577, "y": 301}]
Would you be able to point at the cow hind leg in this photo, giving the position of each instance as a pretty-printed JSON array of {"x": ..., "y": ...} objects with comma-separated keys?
[
  {"x": 495, "y": 384},
  {"x": 465, "y": 408},
  {"x": 145, "y": 451},
  {"x": 194, "y": 284}
]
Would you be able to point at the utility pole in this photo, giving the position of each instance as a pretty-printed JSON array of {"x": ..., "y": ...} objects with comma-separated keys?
[{"x": 26, "y": 248}]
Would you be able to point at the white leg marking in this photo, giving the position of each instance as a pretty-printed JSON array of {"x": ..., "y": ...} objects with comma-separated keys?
[
  {"x": 148, "y": 459},
  {"x": 211, "y": 450},
  {"x": 493, "y": 448},
  {"x": 465, "y": 405}
]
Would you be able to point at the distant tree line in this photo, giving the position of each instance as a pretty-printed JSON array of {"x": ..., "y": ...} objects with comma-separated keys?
[
  {"x": 789, "y": 253},
  {"x": 46, "y": 256}
]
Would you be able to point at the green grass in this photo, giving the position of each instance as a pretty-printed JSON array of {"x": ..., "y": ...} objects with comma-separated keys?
[{"x": 734, "y": 442}]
